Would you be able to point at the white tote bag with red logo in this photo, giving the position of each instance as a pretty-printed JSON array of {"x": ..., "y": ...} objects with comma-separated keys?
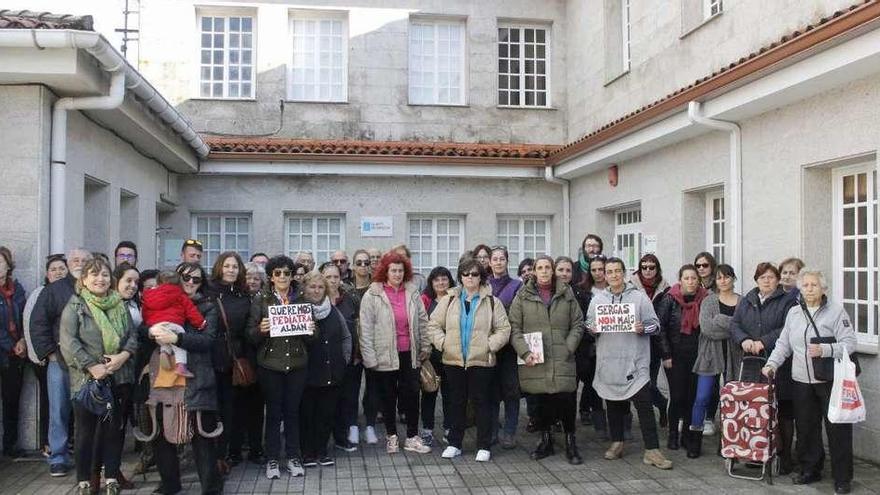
[{"x": 846, "y": 404}]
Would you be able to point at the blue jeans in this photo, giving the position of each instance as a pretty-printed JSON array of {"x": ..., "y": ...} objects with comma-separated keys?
[
  {"x": 705, "y": 390},
  {"x": 58, "y": 384}
]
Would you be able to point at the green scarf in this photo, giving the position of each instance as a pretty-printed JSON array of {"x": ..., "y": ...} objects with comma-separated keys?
[
  {"x": 582, "y": 261},
  {"x": 111, "y": 316}
]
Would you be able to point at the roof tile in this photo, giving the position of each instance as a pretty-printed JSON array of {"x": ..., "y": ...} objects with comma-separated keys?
[{"x": 26, "y": 19}]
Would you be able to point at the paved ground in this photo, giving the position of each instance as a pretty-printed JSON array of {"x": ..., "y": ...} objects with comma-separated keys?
[{"x": 371, "y": 471}]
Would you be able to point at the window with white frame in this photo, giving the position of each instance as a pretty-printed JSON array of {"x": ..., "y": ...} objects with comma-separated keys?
[
  {"x": 317, "y": 234},
  {"x": 219, "y": 232},
  {"x": 715, "y": 223},
  {"x": 626, "y": 31},
  {"x": 437, "y": 62},
  {"x": 319, "y": 65},
  {"x": 855, "y": 247},
  {"x": 523, "y": 66},
  {"x": 525, "y": 237},
  {"x": 226, "y": 56},
  {"x": 628, "y": 236},
  {"x": 711, "y": 7},
  {"x": 435, "y": 240}
]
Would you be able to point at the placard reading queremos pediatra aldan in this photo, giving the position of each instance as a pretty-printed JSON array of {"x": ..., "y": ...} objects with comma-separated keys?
[
  {"x": 616, "y": 318},
  {"x": 290, "y": 320}
]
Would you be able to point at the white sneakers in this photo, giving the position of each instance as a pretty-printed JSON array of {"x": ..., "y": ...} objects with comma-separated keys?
[
  {"x": 370, "y": 433},
  {"x": 415, "y": 444},
  {"x": 272, "y": 471},
  {"x": 451, "y": 452},
  {"x": 483, "y": 456},
  {"x": 391, "y": 444},
  {"x": 354, "y": 435},
  {"x": 295, "y": 467},
  {"x": 708, "y": 428}
]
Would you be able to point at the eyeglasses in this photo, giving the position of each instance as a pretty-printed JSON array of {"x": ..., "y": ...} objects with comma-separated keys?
[
  {"x": 189, "y": 278},
  {"x": 126, "y": 256},
  {"x": 649, "y": 267},
  {"x": 362, "y": 263},
  {"x": 375, "y": 256},
  {"x": 280, "y": 273},
  {"x": 192, "y": 242},
  {"x": 703, "y": 265},
  {"x": 339, "y": 262},
  {"x": 470, "y": 274},
  {"x": 484, "y": 257}
]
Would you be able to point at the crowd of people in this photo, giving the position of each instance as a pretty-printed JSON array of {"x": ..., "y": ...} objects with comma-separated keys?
[{"x": 188, "y": 356}]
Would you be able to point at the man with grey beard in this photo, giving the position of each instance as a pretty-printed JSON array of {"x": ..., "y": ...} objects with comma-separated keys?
[{"x": 45, "y": 319}]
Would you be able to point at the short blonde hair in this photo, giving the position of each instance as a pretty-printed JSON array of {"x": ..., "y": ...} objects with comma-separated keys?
[
  {"x": 810, "y": 272},
  {"x": 311, "y": 277}
]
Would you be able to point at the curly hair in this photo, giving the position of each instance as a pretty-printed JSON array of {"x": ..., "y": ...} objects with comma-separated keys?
[{"x": 381, "y": 273}]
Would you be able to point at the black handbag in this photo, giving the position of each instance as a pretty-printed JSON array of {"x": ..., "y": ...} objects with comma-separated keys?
[
  {"x": 96, "y": 396},
  {"x": 823, "y": 367}
]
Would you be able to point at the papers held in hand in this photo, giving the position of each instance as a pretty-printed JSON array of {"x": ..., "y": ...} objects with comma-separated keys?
[
  {"x": 290, "y": 320},
  {"x": 536, "y": 346},
  {"x": 616, "y": 318}
]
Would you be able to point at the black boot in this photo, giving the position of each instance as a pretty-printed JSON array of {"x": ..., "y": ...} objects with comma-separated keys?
[
  {"x": 545, "y": 447},
  {"x": 571, "y": 450},
  {"x": 786, "y": 434},
  {"x": 672, "y": 443},
  {"x": 664, "y": 414},
  {"x": 694, "y": 443}
]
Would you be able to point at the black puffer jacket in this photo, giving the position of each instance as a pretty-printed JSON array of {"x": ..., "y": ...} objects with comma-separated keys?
[
  {"x": 329, "y": 354},
  {"x": 350, "y": 310},
  {"x": 669, "y": 313},
  {"x": 231, "y": 334},
  {"x": 47, "y": 315},
  {"x": 764, "y": 322}
]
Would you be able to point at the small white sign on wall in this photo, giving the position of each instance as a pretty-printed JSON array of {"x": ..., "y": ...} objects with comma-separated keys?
[
  {"x": 649, "y": 244},
  {"x": 376, "y": 226}
]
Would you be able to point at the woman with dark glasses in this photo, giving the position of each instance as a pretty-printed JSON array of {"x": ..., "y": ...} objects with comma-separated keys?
[
  {"x": 282, "y": 367},
  {"x": 706, "y": 265}
]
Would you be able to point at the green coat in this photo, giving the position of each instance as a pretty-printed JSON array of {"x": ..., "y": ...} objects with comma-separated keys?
[
  {"x": 82, "y": 345},
  {"x": 282, "y": 354},
  {"x": 561, "y": 326}
]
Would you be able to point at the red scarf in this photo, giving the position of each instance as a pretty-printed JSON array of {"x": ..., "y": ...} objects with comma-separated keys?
[
  {"x": 650, "y": 286},
  {"x": 7, "y": 291},
  {"x": 545, "y": 292},
  {"x": 690, "y": 311}
]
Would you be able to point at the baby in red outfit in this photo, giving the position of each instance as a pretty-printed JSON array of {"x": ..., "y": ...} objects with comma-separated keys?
[{"x": 169, "y": 305}]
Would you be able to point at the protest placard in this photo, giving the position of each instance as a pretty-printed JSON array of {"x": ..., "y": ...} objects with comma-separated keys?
[
  {"x": 536, "y": 346},
  {"x": 616, "y": 318},
  {"x": 289, "y": 320}
]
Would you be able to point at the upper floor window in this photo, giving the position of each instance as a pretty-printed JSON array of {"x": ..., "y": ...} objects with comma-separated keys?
[
  {"x": 319, "y": 66},
  {"x": 436, "y": 62},
  {"x": 523, "y": 74},
  {"x": 711, "y": 7},
  {"x": 226, "y": 51},
  {"x": 626, "y": 32}
]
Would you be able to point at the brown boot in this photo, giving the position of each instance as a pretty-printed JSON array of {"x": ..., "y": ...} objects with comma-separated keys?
[
  {"x": 615, "y": 451},
  {"x": 653, "y": 457}
]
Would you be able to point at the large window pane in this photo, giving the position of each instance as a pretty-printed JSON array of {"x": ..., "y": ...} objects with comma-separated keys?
[
  {"x": 226, "y": 57},
  {"x": 319, "y": 65}
]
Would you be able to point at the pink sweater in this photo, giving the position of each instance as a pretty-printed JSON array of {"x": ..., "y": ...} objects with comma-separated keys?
[{"x": 401, "y": 320}]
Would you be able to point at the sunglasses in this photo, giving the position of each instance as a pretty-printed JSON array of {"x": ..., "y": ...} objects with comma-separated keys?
[
  {"x": 362, "y": 263},
  {"x": 471, "y": 274},
  {"x": 281, "y": 273},
  {"x": 192, "y": 242},
  {"x": 703, "y": 265},
  {"x": 649, "y": 267},
  {"x": 339, "y": 262},
  {"x": 189, "y": 278},
  {"x": 493, "y": 248}
]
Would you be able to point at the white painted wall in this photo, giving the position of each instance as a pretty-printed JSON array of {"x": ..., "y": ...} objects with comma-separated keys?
[
  {"x": 377, "y": 107},
  {"x": 269, "y": 198},
  {"x": 663, "y": 61}
]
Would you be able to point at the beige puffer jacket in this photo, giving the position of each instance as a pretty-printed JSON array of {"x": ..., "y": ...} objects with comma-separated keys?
[
  {"x": 490, "y": 333},
  {"x": 378, "y": 336}
]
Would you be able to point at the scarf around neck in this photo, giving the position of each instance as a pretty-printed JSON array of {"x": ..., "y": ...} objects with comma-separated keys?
[
  {"x": 322, "y": 310},
  {"x": 583, "y": 261},
  {"x": 111, "y": 316},
  {"x": 650, "y": 286},
  {"x": 7, "y": 291},
  {"x": 690, "y": 311},
  {"x": 466, "y": 321}
]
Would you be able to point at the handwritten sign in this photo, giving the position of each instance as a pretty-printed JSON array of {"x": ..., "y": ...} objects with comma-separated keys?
[
  {"x": 616, "y": 318},
  {"x": 290, "y": 320},
  {"x": 535, "y": 341}
]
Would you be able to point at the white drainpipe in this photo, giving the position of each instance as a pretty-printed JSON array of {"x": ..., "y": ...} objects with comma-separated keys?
[
  {"x": 566, "y": 206},
  {"x": 734, "y": 181},
  {"x": 58, "y": 189}
]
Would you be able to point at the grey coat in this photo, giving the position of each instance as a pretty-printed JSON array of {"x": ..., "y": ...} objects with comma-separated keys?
[
  {"x": 623, "y": 359},
  {"x": 714, "y": 332},
  {"x": 831, "y": 320}
]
